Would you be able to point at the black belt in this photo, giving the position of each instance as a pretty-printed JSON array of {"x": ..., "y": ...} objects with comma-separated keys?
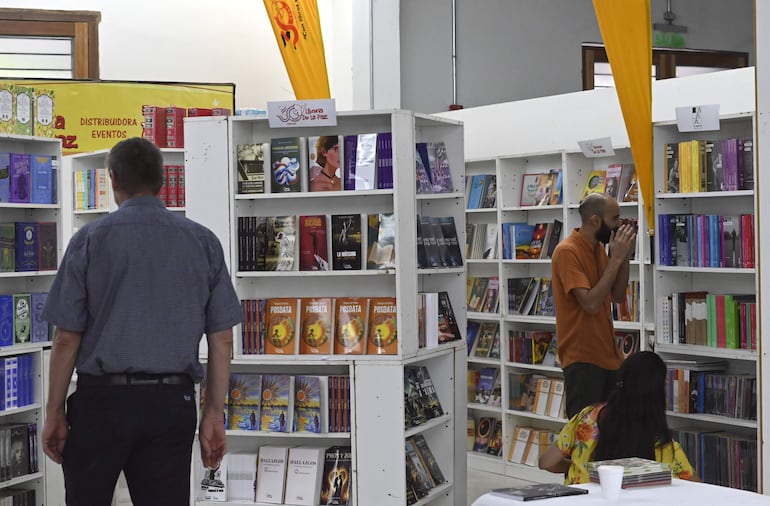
[{"x": 135, "y": 379}]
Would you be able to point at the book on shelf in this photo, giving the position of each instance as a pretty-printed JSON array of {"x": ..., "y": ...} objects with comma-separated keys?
[
  {"x": 430, "y": 244},
  {"x": 448, "y": 329},
  {"x": 538, "y": 442},
  {"x": 382, "y": 326},
  {"x": 351, "y": 318},
  {"x": 452, "y": 257},
  {"x": 47, "y": 244},
  {"x": 418, "y": 478},
  {"x": 27, "y": 246},
  {"x": 485, "y": 384},
  {"x": 42, "y": 183},
  {"x": 555, "y": 405},
  {"x": 518, "y": 444},
  {"x": 244, "y": 400},
  {"x": 250, "y": 161},
  {"x": 556, "y": 189},
  {"x": 428, "y": 459},
  {"x": 414, "y": 409},
  {"x": 541, "y": 396},
  {"x": 304, "y": 473},
  {"x": 346, "y": 242},
  {"x": 429, "y": 401},
  {"x": 22, "y": 320},
  {"x": 612, "y": 180},
  {"x": 485, "y": 339},
  {"x": 470, "y": 433},
  {"x": 5, "y": 177},
  {"x": 337, "y": 476},
  {"x": 313, "y": 246},
  {"x": 536, "y": 189},
  {"x": 433, "y": 156},
  {"x": 280, "y": 326},
  {"x": 627, "y": 183},
  {"x": 421, "y": 175},
  {"x": 280, "y": 243},
  {"x": 325, "y": 162},
  {"x": 271, "y": 474},
  {"x": 241, "y": 475},
  {"x": 537, "y": 491},
  {"x": 212, "y": 484},
  {"x": 20, "y": 178},
  {"x": 594, "y": 183},
  {"x": 495, "y": 445},
  {"x": 484, "y": 430},
  {"x": 360, "y": 167},
  {"x": 286, "y": 167},
  {"x": 308, "y": 412},
  {"x": 381, "y": 239},
  {"x": 316, "y": 325},
  {"x": 276, "y": 405}
]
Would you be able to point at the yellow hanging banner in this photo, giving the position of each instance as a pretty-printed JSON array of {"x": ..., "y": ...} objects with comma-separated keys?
[
  {"x": 627, "y": 33},
  {"x": 297, "y": 28}
]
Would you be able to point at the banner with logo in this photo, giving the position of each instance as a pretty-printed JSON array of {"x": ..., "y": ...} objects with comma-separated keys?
[
  {"x": 627, "y": 34},
  {"x": 297, "y": 28},
  {"x": 94, "y": 115}
]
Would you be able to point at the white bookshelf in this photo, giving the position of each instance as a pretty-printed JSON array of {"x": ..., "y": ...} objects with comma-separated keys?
[{"x": 377, "y": 435}]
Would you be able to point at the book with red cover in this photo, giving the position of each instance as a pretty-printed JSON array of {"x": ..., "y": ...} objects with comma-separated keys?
[
  {"x": 154, "y": 124},
  {"x": 313, "y": 246},
  {"x": 316, "y": 325},
  {"x": 175, "y": 127},
  {"x": 280, "y": 326}
]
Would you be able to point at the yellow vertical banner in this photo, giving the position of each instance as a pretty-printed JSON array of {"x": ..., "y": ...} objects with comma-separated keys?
[
  {"x": 297, "y": 28},
  {"x": 627, "y": 33}
]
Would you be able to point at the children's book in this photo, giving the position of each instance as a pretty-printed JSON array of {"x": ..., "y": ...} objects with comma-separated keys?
[{"x": 594, "y": 183}]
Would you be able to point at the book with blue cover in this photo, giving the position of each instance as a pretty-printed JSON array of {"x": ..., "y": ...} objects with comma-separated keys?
[
  {"x": 6, "y": 320},
  {"x": 307, "y": 404},
  {"x": 245, "y": 396},
  {"x": 41, "y": 178},
  {"x": 276, "y": 403},
  {"x": 41, "y": 330},
  {"x": 5, "y": 177}
]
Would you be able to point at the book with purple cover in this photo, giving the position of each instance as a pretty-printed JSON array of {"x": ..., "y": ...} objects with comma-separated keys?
[
  {"x": 384, "y": 160},
  {"x": 27, "y": 247},
  {"x": 5, "y": 177},
  {"x": 20, "y": 180}
]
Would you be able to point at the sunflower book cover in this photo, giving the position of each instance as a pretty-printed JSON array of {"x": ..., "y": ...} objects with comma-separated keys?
[
  {"x": 307, "y": 404},
  {"x": 280, "y": 326},
  {"x": 245, "y": 397},
  {"x": 383, "y": 335},
  {"x": 316, "y": 326},
  {"x": 350, "y": 328},
  {"x": 276, "y": 403}
]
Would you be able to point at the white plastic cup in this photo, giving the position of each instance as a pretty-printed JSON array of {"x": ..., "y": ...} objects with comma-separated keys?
[{"x": 611, "y": 479}]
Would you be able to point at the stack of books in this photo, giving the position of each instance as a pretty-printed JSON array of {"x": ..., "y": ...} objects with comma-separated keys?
[{"x": 638, "y": 472}]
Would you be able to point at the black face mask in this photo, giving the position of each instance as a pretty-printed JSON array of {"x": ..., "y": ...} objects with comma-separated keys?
[{"x": 604, "y": 232}]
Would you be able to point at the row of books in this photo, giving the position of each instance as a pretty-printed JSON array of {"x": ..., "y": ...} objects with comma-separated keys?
[
  {"x": 481, "y": 190},
  {"x": 164, "y": 126},
  {"x": 91, "y": 188},
  {"x": 637, "y": 471},
  {"x": 699, "y": 240},
  {"x": 423, "y": 472},
  {"x": 345, "y": 325},
  {"x": 28, "y": 179},
  {"x": 706, "y": 166},
  {"x": 482, "y": 294},
  {"x": 708, "y": 319},
  {"x": 485, "y": 435},
  {"x": 629, "y": 309},
  {"x": 721, "y": 458},
  {"x": 172, "y": 192},
  {"x": 437, "y": 243},
  {"x": 528, "y": 443},
  {"x": 285, "y": 403},
  {"x": 302, "y": 475},
  {"x": 18, "y": 450},
  {"x": 715, "y": 393},
  {"x": 542, "y": 189},
  {"x": 536, "y": 347},
  {"x": 17, "y": 382},
  {"x": 27, "y": 246},
  {"x": 26, "y": 110},
  {"x": 618, "y": 181},
  {"x": 483, "y": 339},
  {"x": 481, "y": 241},
  {"x": 530, "y": 296},
  {"x": 421, "y": 402},
  {"x": 17, "y": 497},
  {"x": 269, "y": 243},
  {"x": 21, "y": 319},
  {"x": 484, "y": 386},
  {"x": 537, "y": 394},
  {"x": 436, "y": 320},
  {"x": 524, "y": 241}
]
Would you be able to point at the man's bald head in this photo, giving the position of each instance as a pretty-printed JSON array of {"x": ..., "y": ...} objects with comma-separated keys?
[{"x": 594, "y": 203}]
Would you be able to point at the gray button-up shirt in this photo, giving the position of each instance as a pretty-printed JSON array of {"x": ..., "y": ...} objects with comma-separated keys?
[{"x": 142, "y": 285}]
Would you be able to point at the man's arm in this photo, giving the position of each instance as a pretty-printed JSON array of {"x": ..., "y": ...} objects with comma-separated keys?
[
  {"x": 621, "y": 282},
  {"x": 554, "y": 461},
  {"x": 64, "y": 351},
  {"x": 212, "y": 427}
]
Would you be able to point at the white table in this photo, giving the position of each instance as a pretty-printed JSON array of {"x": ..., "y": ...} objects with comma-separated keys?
[{"x": 679, "y": 493}]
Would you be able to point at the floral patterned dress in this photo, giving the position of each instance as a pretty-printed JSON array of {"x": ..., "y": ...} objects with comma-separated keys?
[{"x": 578, "y": 439}]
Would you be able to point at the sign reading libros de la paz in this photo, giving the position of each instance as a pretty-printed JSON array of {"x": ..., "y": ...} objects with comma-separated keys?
[{"x": 293, "y": 113}]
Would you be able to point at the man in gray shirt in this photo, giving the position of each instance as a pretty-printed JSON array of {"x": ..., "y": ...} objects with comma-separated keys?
[{"x": 134, "y": 294}]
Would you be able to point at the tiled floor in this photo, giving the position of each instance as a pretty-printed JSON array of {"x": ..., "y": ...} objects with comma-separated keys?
[{"x": 480, "y": 482}]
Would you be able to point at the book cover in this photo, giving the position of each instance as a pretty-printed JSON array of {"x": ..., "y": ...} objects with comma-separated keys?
[
  {"x": 428, "y": 396},
  {"x": 594, "y": 183},
  {"x": 7, "y": 119},
  {"x": 441, "y": 173},
  {"x": 7, "y": 247},
  {"x": 346, "y": 242},
  {"x": 627, "y": 173},
  {"x": 483, "y": 433},
  {"x": 350, "y": 327},
  {"x": 337, "y": 476},
  {"x": 47, "y": 242},
  {"x": 307, "y": 404},
  {"x": 556, "y": 189},
  {"x": 485, "y": 385},
  {"x": 495, "y": 446},
  {"x": 427, "y": 458},
  {"x": 384, "y": 160},
  {"x": 280, "y": 326},
  {"x": 5, "y": 176},
  {"x": 24, "y": 104},
  {"x": 245, "y": 398},
  {"x": 27, "y": 247},
  {"x": 303, "y": 475},
  {"x": 536, "y": 189},
  {"x": 383, "y": 335},
  {"x": 6, "y": 323},
  {"x": 44, "y": 112},
  {"x": 489, "y": 199},
  {"x": 281, "y": 239},
  {"x": 20, "y": 177},
  {"x": 250, "y": 161},
  {"x": 286, "y": 173},
  {"x": 612, "y": 181},
  {"x": 414, "y": 410},
  {"x": 275, "y": 406},
  {"x": 313, "y": 243},
  {"x": 430, "y": 244},
  {"x": 381, "y": 239},
  {"x": 672, "y": 167},
  {"x": 417, "y": 476},
  {"x": 483, "y": 342},
  {"x": 364, "y": 173},
  {"x": 421, "y": 175},
  {"x": 537, "y": 491},
  {"x": 41, "y": 179},
  {"x": 454, "y": 256},
  {"x": 448, "y": 329},
  {"x": 271, "y": 474},
  {"x": 41, "y": 330},
  {"x": 316, "y": 326},
  {"x": 325, "y": 163},
  {"x": 241, "y": 475}
]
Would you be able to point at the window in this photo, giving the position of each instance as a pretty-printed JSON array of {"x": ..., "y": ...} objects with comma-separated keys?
[
  {"x": 666, "y": 63},
  {"x": 49, "y": 44}
]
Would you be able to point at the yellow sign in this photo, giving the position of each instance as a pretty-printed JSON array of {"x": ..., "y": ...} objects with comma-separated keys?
[
  {"x": 297, "y": 28},
  {"x": 90, "y": 116}
]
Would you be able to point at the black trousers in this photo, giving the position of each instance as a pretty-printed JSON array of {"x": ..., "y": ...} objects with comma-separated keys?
[
  {"x": 145, "y": 431},
  {"x": 586, "y": 384}
]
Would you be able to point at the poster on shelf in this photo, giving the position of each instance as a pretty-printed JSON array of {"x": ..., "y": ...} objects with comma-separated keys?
[{"x": 93, "y": 115}]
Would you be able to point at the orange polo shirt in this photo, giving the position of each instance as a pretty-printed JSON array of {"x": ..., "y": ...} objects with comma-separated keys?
[{"x": 582, "y": 337}]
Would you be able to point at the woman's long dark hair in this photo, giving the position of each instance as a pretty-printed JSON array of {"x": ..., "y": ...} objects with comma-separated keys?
[{"x": 633, "y": 421}]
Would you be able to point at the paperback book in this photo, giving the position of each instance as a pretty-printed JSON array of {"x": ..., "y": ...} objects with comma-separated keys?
[
  {"x": 537, "y": 491},
  {"x": 337, "y": 475},
  {"x": 250, "y": 160},
  {"x": 346, "y": 242},
  {"x": 313, "y": 247},
  {"x": 316, "y": 323},
  {"x": 285, "y": 159}
]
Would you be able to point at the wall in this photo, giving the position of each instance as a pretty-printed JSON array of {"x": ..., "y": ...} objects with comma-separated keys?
[
  {"x": 208, "y": 41},
  {"x": 519, "y": 49}
]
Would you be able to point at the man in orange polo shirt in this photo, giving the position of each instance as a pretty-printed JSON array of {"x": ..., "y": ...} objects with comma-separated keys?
[{"x": 585, "y": 280}]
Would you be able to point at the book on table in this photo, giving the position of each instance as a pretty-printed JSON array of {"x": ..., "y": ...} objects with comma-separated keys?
[
  {"x": 637, "y": 472},
  {"x": 537, "y": 491}
]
